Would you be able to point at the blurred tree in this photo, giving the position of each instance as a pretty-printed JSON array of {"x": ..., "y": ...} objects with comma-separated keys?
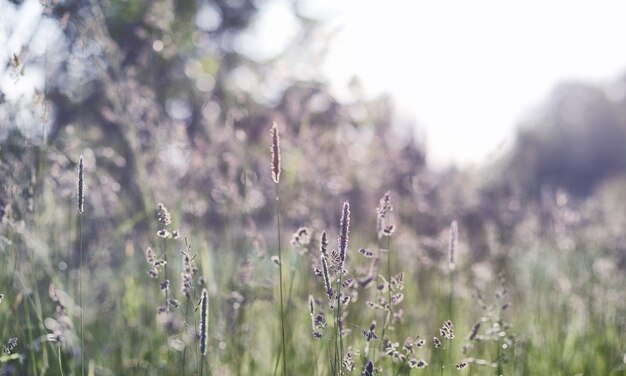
[
  {"x": 165, "y": 96},
  {"x": 574, "y": 143}
]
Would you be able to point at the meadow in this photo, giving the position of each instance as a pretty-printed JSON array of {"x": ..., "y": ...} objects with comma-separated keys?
[
  {"x": 339, "y": 285},
  {"x": 170, "y": 206}
]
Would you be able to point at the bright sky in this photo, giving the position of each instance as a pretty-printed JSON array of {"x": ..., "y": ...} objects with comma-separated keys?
[{"x": 468, "y": 71}]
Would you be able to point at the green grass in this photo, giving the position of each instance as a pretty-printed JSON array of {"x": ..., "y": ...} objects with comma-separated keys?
[{"x": 566, "y": 313}]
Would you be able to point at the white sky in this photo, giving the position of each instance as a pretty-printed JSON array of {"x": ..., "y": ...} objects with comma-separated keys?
[{"x": 468, "y": 71}]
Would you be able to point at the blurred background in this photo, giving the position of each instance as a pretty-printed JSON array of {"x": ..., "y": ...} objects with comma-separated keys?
[
  {"x": 520, "y": 102},
  {"x": 509, "y": 118}
]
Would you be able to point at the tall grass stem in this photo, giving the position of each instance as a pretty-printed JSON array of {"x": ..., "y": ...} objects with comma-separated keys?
[{"x": 280, "y": 278}]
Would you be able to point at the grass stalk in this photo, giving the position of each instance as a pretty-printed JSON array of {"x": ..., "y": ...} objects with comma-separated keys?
[
  {"x": 81, "y": 206},
  {"x": 167, "y": 307},
  {"x": 165, "y": 274},
  {"x": 280, "y": 281},
  {"x": 389, "y": 313},
  {"x": 59, "y": 358},
  {"x": 339, "y": 329},
  {"x": 275, "y": 172},
  {"x": 185, "y": 348},
  {"x": 452, "y": 251},
  {"x": 29, "y": 328},
  {"x": 80, "y": 295}
]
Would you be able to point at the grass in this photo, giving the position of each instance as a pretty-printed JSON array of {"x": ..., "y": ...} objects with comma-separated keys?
[{"x": 563, "y": 311}]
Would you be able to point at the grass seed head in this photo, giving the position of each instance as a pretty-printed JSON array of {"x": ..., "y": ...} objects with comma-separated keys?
[
  {"x": 324, "y": 243},
  {"x": 344, "y": 231},
  {"x": 204, "y": 321},
  {"x": 275, "y": 153},
  {"x": 163, "y": 215},
  {"x": 436, "y": 342},
  {"x": 383, "y": 210},
  {"x": 81, "y": 185}
]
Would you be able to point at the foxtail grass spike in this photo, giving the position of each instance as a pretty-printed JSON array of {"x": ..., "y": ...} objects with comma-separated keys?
[
  {"x": 454, "y": 241},
  {"x": 324, "y": 244},
  {"x": 81, "y": 185},
  {"x": 383, "y": 211},
  {"x": 344, "y": 230},
  {"x": 275, "y": 153},
  {"x": 326, "y": 274},
  {"x": 204, "y": 322}
]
